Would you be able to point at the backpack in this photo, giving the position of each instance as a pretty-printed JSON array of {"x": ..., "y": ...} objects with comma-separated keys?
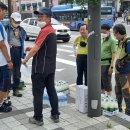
[{"x": 123, "y": 65}]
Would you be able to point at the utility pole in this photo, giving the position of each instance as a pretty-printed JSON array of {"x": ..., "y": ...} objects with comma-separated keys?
[
  {"x": 94, "y": 51},
  {"x": 9, "y": 8}
]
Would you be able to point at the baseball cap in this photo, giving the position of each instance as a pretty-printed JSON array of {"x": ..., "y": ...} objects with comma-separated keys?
[
  {"x": 16, "y": 16},
  {"x": 46, "y": 11}
]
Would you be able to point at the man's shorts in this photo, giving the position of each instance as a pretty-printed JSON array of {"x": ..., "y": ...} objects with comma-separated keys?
[
  {"x": 105, "y": 78},
  {"x": 5, "y": 78}
]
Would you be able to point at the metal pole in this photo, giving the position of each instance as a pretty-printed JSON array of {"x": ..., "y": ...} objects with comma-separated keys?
[
  {"x": 9, "y": 8},
  {"x": 94, "y": 50}
]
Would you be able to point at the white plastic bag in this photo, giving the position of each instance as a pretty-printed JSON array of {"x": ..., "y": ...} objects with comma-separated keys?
[{"x": 24, "y": 70}]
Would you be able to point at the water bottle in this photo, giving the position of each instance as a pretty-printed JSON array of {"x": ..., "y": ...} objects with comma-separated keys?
[
  {"x": 111, "y": 106},
  {"x": 102, "y": 103},
  {"x": 105, "y": 105},
  {"x": 115, "y": 105}
]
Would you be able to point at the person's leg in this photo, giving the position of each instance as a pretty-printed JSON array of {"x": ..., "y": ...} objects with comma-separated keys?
[
  {"x": 118, "y": 92},
  {"x": 85, "y": 69},
  {"x": 16, "y": 73},
  {"x": 102, "y": 79},
  {"x": 52, "y": 96},
  {"x": 106, "y": 79},
  {"x": 38, "y": 85},
  {"x": 125, "y": 91},
  {"x": 79, "y": 70},
  {"x": 5, "y": 78}
]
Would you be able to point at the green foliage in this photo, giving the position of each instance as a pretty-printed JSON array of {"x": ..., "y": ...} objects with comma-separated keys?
[{"x": 94, "y": 2}]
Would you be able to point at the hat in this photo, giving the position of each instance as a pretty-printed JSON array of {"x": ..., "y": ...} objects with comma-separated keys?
[
  {"x": 44, "y": 11},
  {"x": 16, "y": 16}
]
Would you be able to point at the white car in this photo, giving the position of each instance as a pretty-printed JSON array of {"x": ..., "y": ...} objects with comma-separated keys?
[{"x": 32, "y": 30}]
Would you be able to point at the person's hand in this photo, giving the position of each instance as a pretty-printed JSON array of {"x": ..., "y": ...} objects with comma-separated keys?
[
  {"x": 110, "y": 71},
  {"x": 28, "y": 49},
  {"x": 121, "y": 63},
  {"x": 10, "y": 65},
  {"x": 23, "y": 61}
]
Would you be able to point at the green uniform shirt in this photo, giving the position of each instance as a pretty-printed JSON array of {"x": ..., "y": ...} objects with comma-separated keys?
[
  {"x": 81, "y": 50},
  {"x": 107, "y": 48}
]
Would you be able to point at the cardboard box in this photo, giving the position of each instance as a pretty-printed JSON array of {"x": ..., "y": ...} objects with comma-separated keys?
[{"x": 82, "y": 98}]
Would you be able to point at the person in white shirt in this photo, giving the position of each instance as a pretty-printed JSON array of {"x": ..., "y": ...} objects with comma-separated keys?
[{"x": 5, "y": 65}]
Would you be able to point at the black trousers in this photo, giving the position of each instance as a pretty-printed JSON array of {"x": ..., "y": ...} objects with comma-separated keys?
[
  {"x": 81, "y": 61},
  {"x": 16, "y": 60},
  {"x": 118, "y": 90},
  {"x": 39, "y": 82}
]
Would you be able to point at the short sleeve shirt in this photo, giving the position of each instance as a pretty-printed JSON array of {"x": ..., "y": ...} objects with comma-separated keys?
[
  {"x": 81, "y": 50},
  {"x": 107, "y": 48},
  {"x": 3, "y": 37},
  {"x": 43, "y": 34}
]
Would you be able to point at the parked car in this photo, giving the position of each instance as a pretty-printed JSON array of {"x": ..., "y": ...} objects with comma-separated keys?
[{"x": 32, "y": 30}]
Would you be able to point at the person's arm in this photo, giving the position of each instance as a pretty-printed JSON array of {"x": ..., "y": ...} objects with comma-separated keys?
[
  {"x": 75, "y": 46},
  {"x": 6, "y": 55},
  {"x": 113, "y": 51},
  {"x": 4, "y": 51},
  {"x": 31, "y": 53}
]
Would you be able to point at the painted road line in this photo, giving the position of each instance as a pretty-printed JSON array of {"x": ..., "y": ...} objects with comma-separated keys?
[
  {"x": 64, "y": 50},
  {"x": 59, "y": 70},
  {"x": 67, "y": 46},
  {"x": 72, "y": 55},
  {"x": 72, "y": 63}
]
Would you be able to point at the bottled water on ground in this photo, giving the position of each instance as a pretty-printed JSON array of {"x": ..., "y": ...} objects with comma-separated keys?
[{"x": 62, "y": 99}]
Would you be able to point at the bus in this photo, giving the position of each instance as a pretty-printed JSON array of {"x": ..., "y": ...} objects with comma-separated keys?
[{"x": 73, "y": 15}]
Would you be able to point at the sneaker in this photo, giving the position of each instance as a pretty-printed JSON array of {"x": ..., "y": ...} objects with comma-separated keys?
[
  {"x": 17, "y": 93},
  {"x": 120, "y": 110},
  {"x": 55, "y": 118},
  {"x": 32, "y": 120},
  {"x": 9, "y": 103},
  {"x": 5, "y": 108},
  {"x": 22, "y": 86}
]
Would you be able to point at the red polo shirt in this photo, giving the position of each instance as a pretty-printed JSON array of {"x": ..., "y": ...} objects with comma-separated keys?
[{"x": 45, "y": 31}]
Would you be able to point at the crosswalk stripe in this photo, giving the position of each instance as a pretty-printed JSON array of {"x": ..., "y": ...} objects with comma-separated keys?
[
  {"x": 64, "y": 50},
  {"x": 72, "y": 55},
  {"x": 67, "y": 46},
  {"x": 66, "y": 61}
]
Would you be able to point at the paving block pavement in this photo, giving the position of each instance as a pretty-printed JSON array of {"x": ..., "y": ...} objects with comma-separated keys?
[{"x": 70, "y": 118}]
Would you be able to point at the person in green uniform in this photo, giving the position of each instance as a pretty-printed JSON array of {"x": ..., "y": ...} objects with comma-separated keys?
[
  {"x": 108, "y": 49},
  {"x": 81, "y": 51},
  {"x": 122, "y": 66}
]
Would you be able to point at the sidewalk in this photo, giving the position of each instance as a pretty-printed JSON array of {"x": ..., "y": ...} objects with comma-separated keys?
[{"x": 70, "y": 118}]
